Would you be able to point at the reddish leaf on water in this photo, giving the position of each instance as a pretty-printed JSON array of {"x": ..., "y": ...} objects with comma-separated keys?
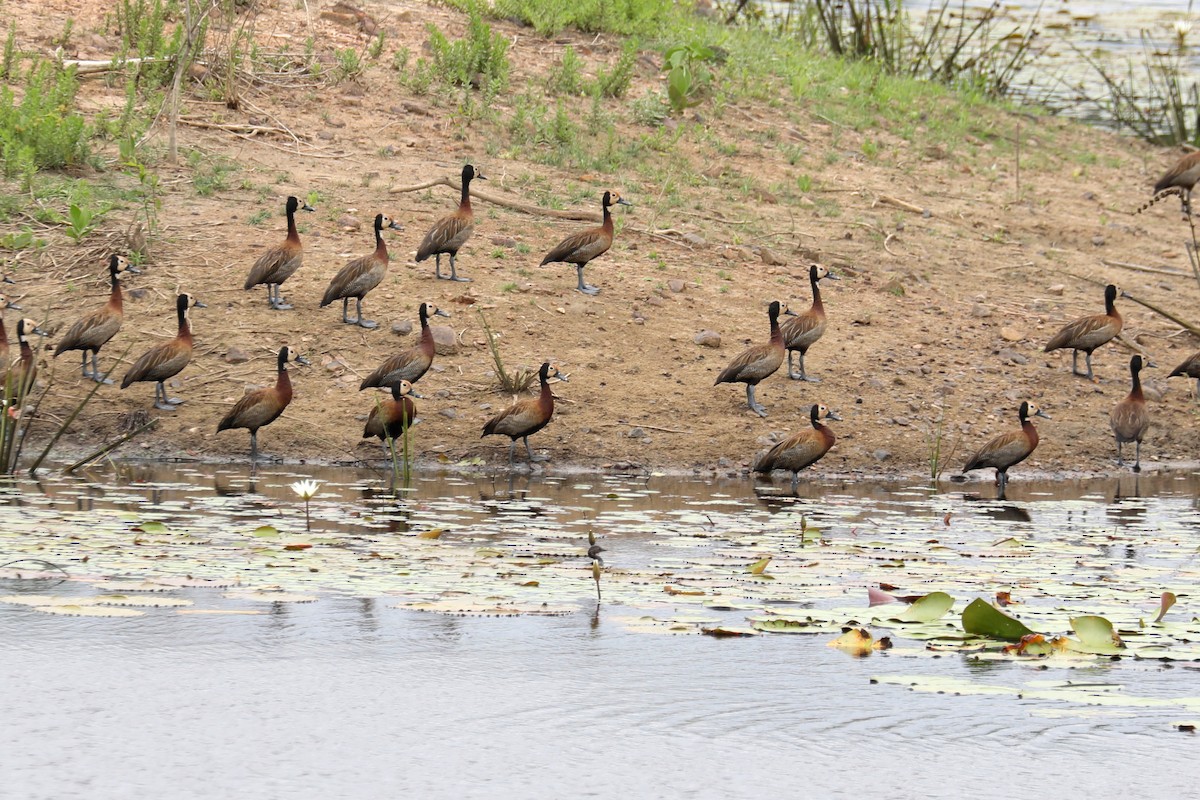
[
  {"x": 878, "y": 597},
  {"x": 946, "y": 519},
  {"x": 1004, "y": 599},
  {"x": 296, "y": 546},
  {"x": 1168, "y": 600}
]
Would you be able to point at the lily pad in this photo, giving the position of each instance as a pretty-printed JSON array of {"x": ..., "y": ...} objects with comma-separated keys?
[{"x": 982, "y": 619}]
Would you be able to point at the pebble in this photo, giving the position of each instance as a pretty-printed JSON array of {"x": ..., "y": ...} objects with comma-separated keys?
[
  {"x": 1013, "y": 356},
  {"x": 769, "y": 257},
  {"x": 636, "y": 433},
  {"x": 1011, "y": 335},
  {"x": 675, "y": 285},
  {"x": 504, "y": 241},
  {"x": 881, "y": 455},
  {"x": 980, "y": 311},
  {"x": 1056, "y": 290},
  {"x": 707, "y": 338},
  {"x": 448, "y": 413},
  {"x": 402, "y": 328},
  {"x": 236, "y": 355},
  {"x": 348, "y": 223},
  {"x": 445, "y": 341},
  {"x": 902, "y": 421},
  {"x": 695, "y": 240}
]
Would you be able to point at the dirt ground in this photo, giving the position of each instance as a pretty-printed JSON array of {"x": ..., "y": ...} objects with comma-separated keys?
[{"x": 987, "y": 276}]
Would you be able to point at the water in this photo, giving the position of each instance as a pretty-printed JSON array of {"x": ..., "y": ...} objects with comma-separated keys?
[{"x": 349, "y": 696}]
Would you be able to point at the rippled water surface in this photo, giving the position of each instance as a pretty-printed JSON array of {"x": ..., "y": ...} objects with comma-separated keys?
[{"x": 351, "y": 696}]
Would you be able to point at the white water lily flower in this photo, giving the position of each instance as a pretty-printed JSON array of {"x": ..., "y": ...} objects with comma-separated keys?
[
  {"x": 1182, "y": 28},
  {"x": 306, "y": 489}
]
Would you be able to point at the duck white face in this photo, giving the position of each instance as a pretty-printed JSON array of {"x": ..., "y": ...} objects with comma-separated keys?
[
  {"x": 823, "y": 412},
  {"x": 405, "y": 388},
  {"x": 433, "y": 311},
  {"x": 387, "y": 222},
  {"x": 553, "y": 373},
  {"x": 1034, "y": 411},
  {"x": 26, "y": 328},
  {"x": 822, "y": 272}
]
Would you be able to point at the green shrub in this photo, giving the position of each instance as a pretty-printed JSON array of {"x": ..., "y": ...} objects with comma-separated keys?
[
  {"x": 479, "y": 59},
  {"x": 42, "y": 131},
  {"x": 548, "y": 17},
  {"x": 616, "y": 83},
  {"x": 567, "y": 77}
]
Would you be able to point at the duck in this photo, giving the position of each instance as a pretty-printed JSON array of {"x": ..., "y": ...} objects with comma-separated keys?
[
  {"x": 390, "y": 418},
  {"x": 1129, "y": 418},
  {"x": 22, "y": 373},
  {"x": 582, "y": 247},
  {"x": 280, "y": 262},
  {"x": 801, "y": 449},
  {"x": 1009, "y": 449},
  {"x": 361, "y": 275},
  {"x": 164, "y": 361},
  {"x": 5, "y": 357},
  {"x": 1190, "y": 368},
  {"x": 263, "y": 406},
  {"x": 94, "y": 330},
  {"x": 1088, "y": 333},
  {"x": 412, "y": 363},
  {"x": 452, "y": 231},
  {"x": 526, "y": 417},
  {"x": 757, "y": 362},
  {"x": 1182, "y": 178},
  {"x": 801, "y": 331}
]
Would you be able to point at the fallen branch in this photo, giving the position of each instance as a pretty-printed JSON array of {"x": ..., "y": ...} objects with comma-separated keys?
[
  {"x": 235, "y": 127},
  {"x": 892, "y": 201},
  {"x": 85, "y": 68},
  {"x": 495, "y": 199}
]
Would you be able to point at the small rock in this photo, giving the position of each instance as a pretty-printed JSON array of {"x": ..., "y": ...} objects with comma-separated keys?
[
  {"x": 881, "y": 455},
  {"x": 348, "y": 223},
  {"x": 1009, "y": 334},
  {"x": 926, "y": 369},
  {"x": 445, "y": 341},
  {"x": 769, "y": 257},
  {"x": 695, "y": 240},
  {"x": 707, "y": 338},
  {"x": 236, "y": 355},
  {"x": 636, "y": 433},
  {"x": 902, "y": 421},
  {"x": 485, "y": 406},
  {"x": 894, "y": 286},
  {"x": 1013, "y": 356},
  {"x": 448, "y": 413},
  {"x": 1098, "y": 241},
  {"x": 653, "y": 300},
  {"x": 676, "y": 285},
  {"x": 504, "y": 241},
  {"x": 724, "y": 462},
  {"x": 403, "y": 327},
  {"x": 980, "y": 311},
  {"x": 1056, "y": 290}
]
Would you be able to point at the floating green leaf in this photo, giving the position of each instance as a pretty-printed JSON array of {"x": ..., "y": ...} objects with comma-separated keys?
[
  {"x": 981, "y": 619},
  {"x": 929, "y": 608}
]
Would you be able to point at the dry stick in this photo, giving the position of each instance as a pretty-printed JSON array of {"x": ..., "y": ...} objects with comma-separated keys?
[
  {"x": 898, "y": 203},
  {"x": 252, "y": 129},
  {"x": 1139, "y": 268},
  {"x": 108, "y": 448},
  {"x": 515, "y": 205}
]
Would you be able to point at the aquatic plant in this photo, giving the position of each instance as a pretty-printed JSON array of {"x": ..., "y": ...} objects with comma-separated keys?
[{"x": 307, "y": 490}]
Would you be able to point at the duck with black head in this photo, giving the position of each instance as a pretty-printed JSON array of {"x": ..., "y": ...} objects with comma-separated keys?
[
  {"x": 22, "y": 374},
  {"x": 389, "y": 419},
  {"x": 801, "y": 331},
  {"x": 280, "y": 262},
  {"x": 414, "y": 362},
  {"x": 582, "y": 247},
  {"x": 1129, "y": 418},
  {"x": 361, "y": 275},
  {"x": 451, "y": 232},
  {"x": 263, "y": 406},
  {"x": 758, "y": 362},
  {"x": 96, "y": 329},
  {"x": 164, "y": 361},
  {"x": 1008, "y": 449},
  {"x": 801, "y": 449},
  {"x": 527, "y": 416},
  {"x": 1087, "y": 333}
]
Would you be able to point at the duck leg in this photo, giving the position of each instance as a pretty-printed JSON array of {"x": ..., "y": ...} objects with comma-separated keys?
[
  {"x": 532, "y": 457},
  {"x": 346, "y": 312},
  {"x": 160, "y": 398},
  {"x": 1120, "y": 461},
  {"x": 1002, "y": 479},
  {"x": 795, "y": 482},
  {"x": 253, "y": 446},
  {"x": 454, "y": 270},
  {"x": 585, "y": 287},
  {"x": 97, "y": 375},
  {"x": 363, "y": 323},
  {"x": 85, "y": 372},
  {"x": 1137, "y": 464},
  {"x": 1088, "y": 358},
  {"x": 512, "y": 449},
  {"x": 754, "y": 406},
  {"x": 437, "y": 267},
  {"x": 278, "y": 303},
  {"x": 791, "y": 372},
  {"x": 803, "y": 374}
]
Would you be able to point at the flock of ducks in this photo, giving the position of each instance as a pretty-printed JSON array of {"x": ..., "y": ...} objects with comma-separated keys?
[{"x": 389, "y": 418}]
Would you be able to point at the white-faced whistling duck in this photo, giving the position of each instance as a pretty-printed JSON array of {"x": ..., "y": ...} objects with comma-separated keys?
[
  {"x": 164, "y": 361},
  {"x": 413, "y": 362},
  {"x": 389, "y": 418},
  {"x": 95, "y": 330},
  {"x": 263, "y": 406},
  {"x": 801, "y": 449},
  {"x": 1008, "y": 449},
  {"x": 526, "y": 417},
  {"x": 801, "y": 331},
  {"x": 582, "y": 247},
  {"x": 361, "y": 275},
  {"x": 21, "y": 375},
  {"x": 5, "y": 357},
  {"x": 1190, "y": 368},
  {"x": 1129, "y": 418},
  {"x": 1088, "y": 333},
  {"x": 757, "y": 362},
  {"x": 280, "y": 262},
  {"x": 1181, "y": 179},
  {"x": 451, "y": 231}
]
